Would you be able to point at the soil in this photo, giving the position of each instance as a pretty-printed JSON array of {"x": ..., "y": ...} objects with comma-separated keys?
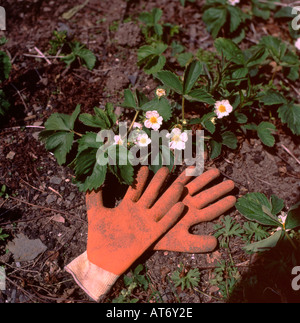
[{"x": 45, "y": 205}]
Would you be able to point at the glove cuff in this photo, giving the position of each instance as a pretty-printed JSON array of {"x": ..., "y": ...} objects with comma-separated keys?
[{"x": 95, "y": 281}]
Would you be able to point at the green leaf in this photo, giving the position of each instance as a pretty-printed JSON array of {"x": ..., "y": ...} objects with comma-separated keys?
[
  {"x": 207, "y": 123},
  {"x": 5, "y": 66},
  {"x": 62, "y": 122},
  {"x": 151, "y": 57},
  {"x": 147, "y": 52},
  {"x": 110, "y": 111},
  {"x": 277, "y": 204},
  {"x": 277, "y": 48},
  {"x": 191, "y": 75},
  {"x": 264, "y": 132},
  {"x": 284, "y": 12},
  {"x": 214, "y": 19},
  {"x": 59, "y": 143},
  {"x": 266, "y": 244},
  {"x": 88, "y": 140},
  {"x": 129, "y": 100},
  {"x": 184, "y": 58},
  {"x": 253, "y": 229},
  {"x": 255, "y": 55},
  {"x": 161, "y": 105},
  {"x": 251, "y": 206},
  {"x": 290, "y": 114},
  {"x": 92, "y": 121},
  {"x": 89, "y": 173},
  {"x": 272, "y": 98},
  {"x": 170, "y": 80},
  {"x": 155, "y": 64},
  {"x": 123, "y": 169},
  {"x": 240, "y": 117},
  {"x": 200, "y": 95},
  {"x": 229, "y": 139},
  {"x": 164, "y": 158},
  {"x": 215, "y": 149},
  {"x": 230, "y": 50},
  {"x": 240, "y": 73},
  {"x": 58, "y": 135},
  {"x": 88, "y": 57},
  {"x": 4, "y": 104},
  {"x": 293, "y": 217},
  {"x": 235, "y": 17}
]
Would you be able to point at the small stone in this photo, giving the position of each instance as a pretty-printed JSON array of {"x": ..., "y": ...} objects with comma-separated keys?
[
  {"x": 71, "y": 196},
  {"x": 11, "y": 155},
  {"x": 51, "y": 198},
  {"x": 55, "y": 180}
]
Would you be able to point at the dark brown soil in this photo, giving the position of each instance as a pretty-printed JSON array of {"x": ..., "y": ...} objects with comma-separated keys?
[{"x": 44, "y": 203}]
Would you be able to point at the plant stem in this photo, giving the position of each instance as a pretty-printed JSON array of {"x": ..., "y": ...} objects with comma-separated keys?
[
  {"x": 182, "y": 109},
  {"x": 290, "y": 240},
  {"x": 133, "y": 121},
  {"x": 77, "y": 133}
]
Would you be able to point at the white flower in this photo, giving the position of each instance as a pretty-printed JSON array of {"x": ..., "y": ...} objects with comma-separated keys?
[
  {"x": 137, "y": 125},
  {"x": 297, "y": 43},
  {"x": 143, "y": 140},
  {"x": 222, "y": 108},
  {"x": 178, "y": 139},
  {"x": 154, "y": 120},
  {"x": 160, "y": 92},
  {"x": 118, "y": 140},
  {"x": 282, "y": 218},
  {"x": 233, "y": 2}
]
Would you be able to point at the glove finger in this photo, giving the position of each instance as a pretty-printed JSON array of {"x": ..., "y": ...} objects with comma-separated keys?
[
  {"x": 183, "y": 178},
  {"x": 154, "y": 187},
  {"x": 189, "y": 243},
  {"x": 201, "y": 181},
  {"x": 211, "y": 194},
  {"x": 169, "y": 219},
  {"x": 211, "y": 212},
  {"x": 94, "y": 200},
  {"x": 167, "y": 200},
  {"x": 134, "y": 193}
]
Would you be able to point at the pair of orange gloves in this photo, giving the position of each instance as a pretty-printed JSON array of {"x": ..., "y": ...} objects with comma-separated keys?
[{"x": 118, "y": 237}]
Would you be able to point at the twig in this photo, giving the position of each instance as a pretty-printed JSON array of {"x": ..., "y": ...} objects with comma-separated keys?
[
  {"x": 263, "y": 181},
  {"x": 43, "y": 55},
  {"x": 31, "y": 186},
  {"x": 41, "y": 207},
  {"x": 290, "y": 153},
  {"x": 54, "y": 191},
  {"x": 20, "y": 95},
  {"x": 22, "y": 289},
  {"x": 280, "y": 4}
]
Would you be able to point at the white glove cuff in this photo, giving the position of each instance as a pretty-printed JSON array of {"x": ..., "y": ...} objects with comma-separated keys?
[{"x": 95, "y": 281}]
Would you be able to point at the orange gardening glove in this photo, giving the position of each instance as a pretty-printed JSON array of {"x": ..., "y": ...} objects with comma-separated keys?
[
  {"x": 198, "y": 210},
  {"x": 118, "y": 237}
]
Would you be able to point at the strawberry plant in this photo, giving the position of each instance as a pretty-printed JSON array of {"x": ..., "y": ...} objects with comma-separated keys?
[
  {"x": 71, "y": 50},
  {"x": 5, "y": 68},
  {"x": 257, "y": 207}
]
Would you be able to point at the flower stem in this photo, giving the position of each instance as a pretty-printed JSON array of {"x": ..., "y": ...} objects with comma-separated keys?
[
  {"x": 133, "y": 121},
  {"x": 77, "y": 133},
  {"x": 290, "y": 240},
  {"x": 182, "y": 109}
]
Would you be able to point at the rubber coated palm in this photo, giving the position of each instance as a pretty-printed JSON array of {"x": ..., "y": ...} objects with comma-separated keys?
[{"x": 118, "y": 236}]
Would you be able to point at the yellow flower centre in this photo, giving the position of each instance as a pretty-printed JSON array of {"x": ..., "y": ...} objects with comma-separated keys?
[
  {"x": 143, "y": 140},
  {"x": 222, "y": 108},
  {"x": 153, "y": 120},
  {"x": 176, "y": 138}
]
